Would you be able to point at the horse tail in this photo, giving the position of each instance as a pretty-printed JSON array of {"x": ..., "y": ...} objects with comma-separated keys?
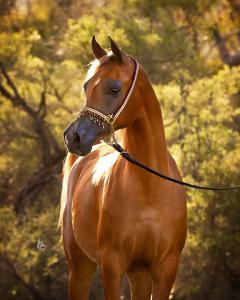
[{"x": 68, "y": 163}]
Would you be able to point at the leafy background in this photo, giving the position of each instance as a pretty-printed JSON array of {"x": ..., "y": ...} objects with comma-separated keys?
[{"x": 191, "y": 51}]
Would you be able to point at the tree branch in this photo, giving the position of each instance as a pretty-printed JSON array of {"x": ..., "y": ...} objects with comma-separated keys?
[
  {"x": 227, "y": 58},
  {"x": 42, "y": 104},
  {"x": 47, "y": 141},
  {"x": 33, "y": 291},
  {"x": 37, "y": 181},
  {"x": 16, "y": 98},
  {"x": 55, "y": 92}
]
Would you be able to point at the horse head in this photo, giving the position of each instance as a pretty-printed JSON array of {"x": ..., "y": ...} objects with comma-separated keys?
[{"x": 109, "y": 85}]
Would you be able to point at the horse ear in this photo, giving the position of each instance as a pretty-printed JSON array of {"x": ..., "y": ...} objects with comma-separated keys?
[
  {"x": 115, "y": 50},
  {"x": 97, "y": 50}
]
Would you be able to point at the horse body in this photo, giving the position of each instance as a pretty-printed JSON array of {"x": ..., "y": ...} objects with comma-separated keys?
[{"x": 123, "y": 218}]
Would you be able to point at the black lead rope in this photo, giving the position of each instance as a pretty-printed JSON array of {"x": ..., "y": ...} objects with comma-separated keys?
[{"x": 117, "y": 147}]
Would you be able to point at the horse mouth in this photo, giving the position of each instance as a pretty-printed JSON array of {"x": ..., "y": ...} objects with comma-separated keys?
[{"x": 80, "y": 150}]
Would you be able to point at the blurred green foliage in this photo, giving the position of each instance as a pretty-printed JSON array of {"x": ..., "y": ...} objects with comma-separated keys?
[
  {"x": 28, "y": 272},
  {"x": 44, "y": 53}
]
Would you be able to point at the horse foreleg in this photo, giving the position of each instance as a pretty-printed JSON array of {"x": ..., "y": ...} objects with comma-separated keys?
[
  {"x": 163, "y": 277},
  {"x": 80, "y": 274},
  {"x": 111, "y": 271},
  {"x": 80, "y": 267},
  {"x": 141, "y": 285}
]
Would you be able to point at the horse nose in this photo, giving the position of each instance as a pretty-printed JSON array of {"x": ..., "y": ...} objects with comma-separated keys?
[
  {"x": 71, "y": 139},
  {"x": 67, "y": 136}
]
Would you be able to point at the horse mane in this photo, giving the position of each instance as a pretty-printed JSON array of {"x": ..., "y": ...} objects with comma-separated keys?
[{"x": 67, "y": 165}]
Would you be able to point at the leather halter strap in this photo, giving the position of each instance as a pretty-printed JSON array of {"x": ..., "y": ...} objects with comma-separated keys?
[
  {"x": 129, "y": 93},
  {"x": 99, "y": 117}
]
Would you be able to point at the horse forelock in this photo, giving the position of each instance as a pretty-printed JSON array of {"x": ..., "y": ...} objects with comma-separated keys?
[{"x": 95, "y": 64}]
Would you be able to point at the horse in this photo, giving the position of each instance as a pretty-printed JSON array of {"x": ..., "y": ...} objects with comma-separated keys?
[{"x": 113, "y": 214}]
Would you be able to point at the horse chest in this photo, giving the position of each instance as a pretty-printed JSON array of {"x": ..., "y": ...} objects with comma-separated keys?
[{"x": 121, "y": 214}]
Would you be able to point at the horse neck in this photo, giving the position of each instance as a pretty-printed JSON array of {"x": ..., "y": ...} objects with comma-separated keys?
[{"x": 145, "y": 139}]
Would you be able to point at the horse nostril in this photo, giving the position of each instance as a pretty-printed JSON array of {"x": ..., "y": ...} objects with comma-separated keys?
[{"x": 76, "y": 138}]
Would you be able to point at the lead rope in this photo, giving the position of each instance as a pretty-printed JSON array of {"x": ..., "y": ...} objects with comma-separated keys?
[{"x": 132, "y": 160}]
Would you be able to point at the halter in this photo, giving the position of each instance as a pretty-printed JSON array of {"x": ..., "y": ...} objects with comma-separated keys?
[{"x": 101, "y": 119}]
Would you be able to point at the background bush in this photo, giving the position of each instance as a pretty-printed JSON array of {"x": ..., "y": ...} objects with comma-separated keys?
[{"x": 191, "y": 51}]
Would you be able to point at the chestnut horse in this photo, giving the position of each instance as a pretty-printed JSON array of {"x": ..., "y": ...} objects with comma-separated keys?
[{"x": 114, "y": 214}]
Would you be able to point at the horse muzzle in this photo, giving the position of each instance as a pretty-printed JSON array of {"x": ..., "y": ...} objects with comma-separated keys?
[{"x": 80, "y": 136}]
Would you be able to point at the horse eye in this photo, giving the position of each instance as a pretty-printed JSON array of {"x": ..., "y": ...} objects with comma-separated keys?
[{"x": 113, "y": 87}]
